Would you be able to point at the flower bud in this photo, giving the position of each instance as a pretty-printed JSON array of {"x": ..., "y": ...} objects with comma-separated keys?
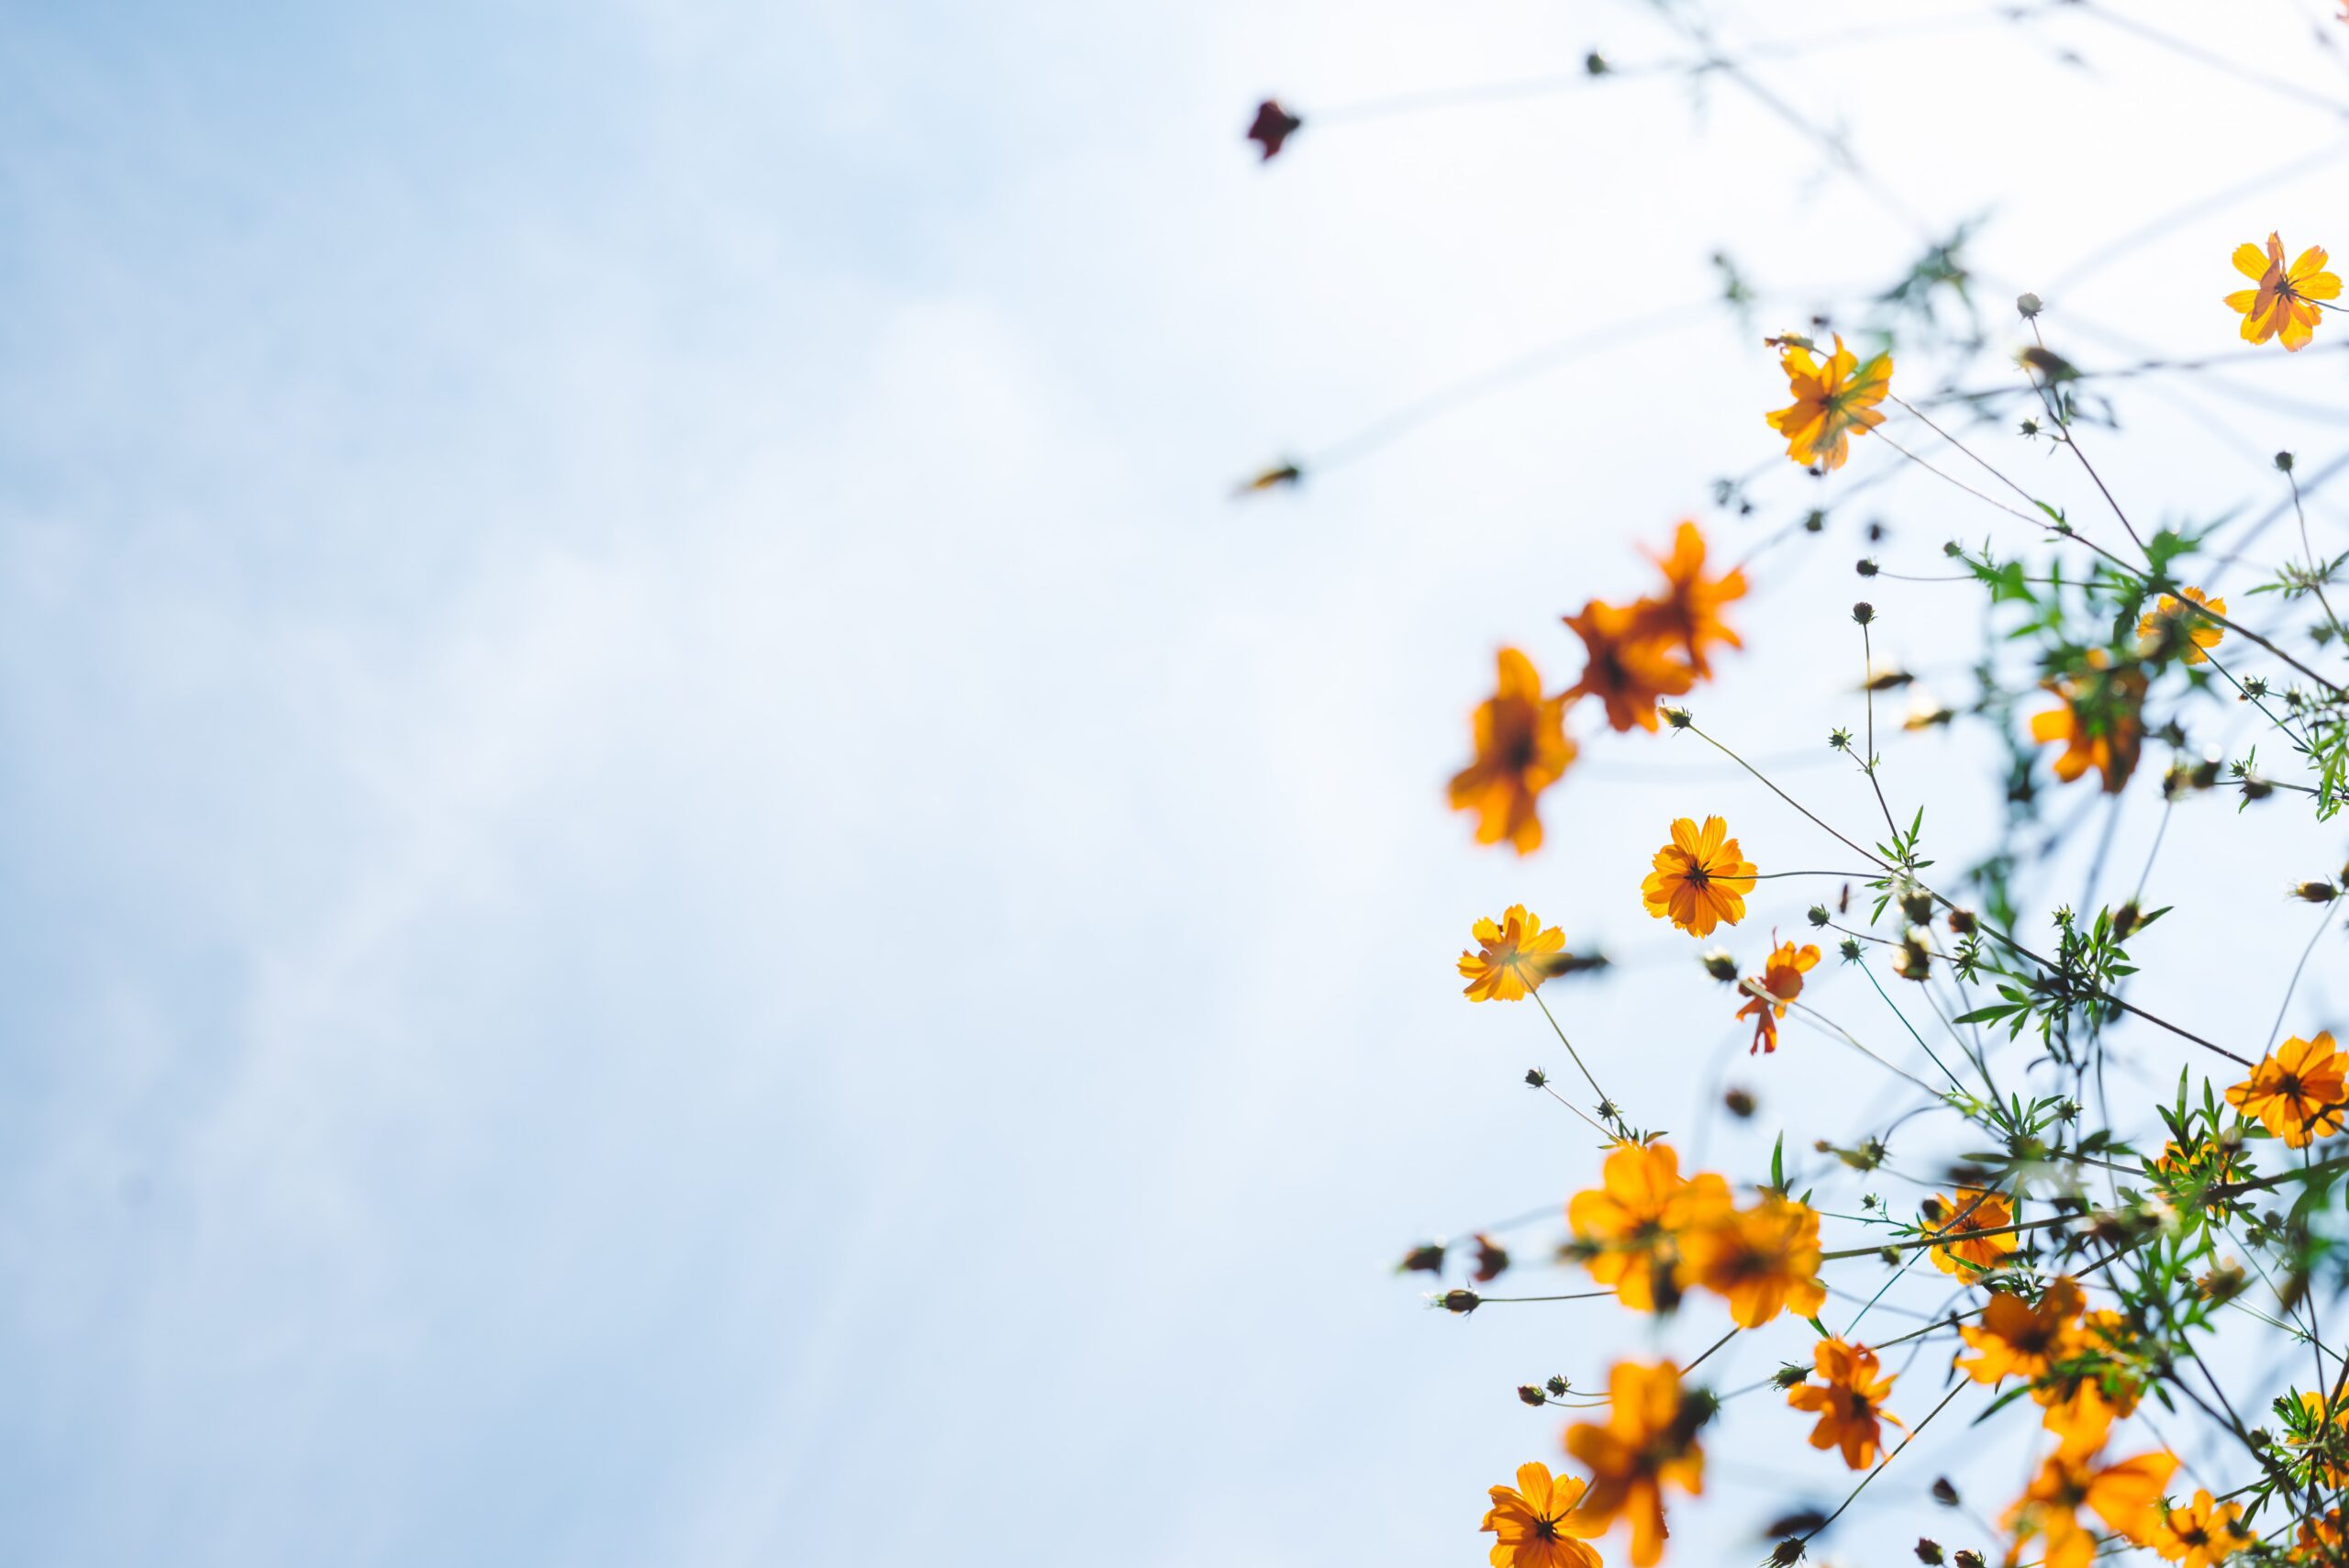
[
  {"x": 2284, "y": 461},
  {"x": 1463, "y": 1301},
  {"x": 1915, "y": 959},
  {"x": 1968, "y": 1559},
  {"x": 1531, "y": 1394},
  {"x": 2125, "y": 920},
  {"x": 1863, "y": 612},
  {"x": 1427, "y": 1258},
  {"x": 1739, "y": 1103},
  {"x": 1867, "y": 567},
  {"x": 1720, "y": 965},
  {"x": 2315, "y": 892},
  {"x": 1917, "y": 903},
  {"x": 2028, "y": 306},
  {"x": 1944, "y": 1492},
  {"x": 1818, "y": 915},
  {"x": 1492, "y": 1261},
  {"x": 1928, "y": 1551},
  {"x": 1962, "y": 922},
  {"x": 1559, "y": 1386},
  {"x": 1535, "y": 1078},
  {"x": 1787, "y": 1553}
]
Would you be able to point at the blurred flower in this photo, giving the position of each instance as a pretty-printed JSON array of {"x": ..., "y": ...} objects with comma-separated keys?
[
  {"x": 1271, "y": 478},
  {"x": 2101, "y": 725},
  {"x": 2284, "y": 303},
  {"x": 1511, "y": 957},
  {"x": 1688, "y": 613},
  {"x": 2297, "y": 1091},
  {"x": 1635, "y": 1218},
  {"x": 1649, "y": 1438},
  {"x": 1700, "y": 878},
  {"x": 1972, "y": 1211},
  {"x": 1831, "y": 398},
  {"x": 2319, "y": 1539},
  {"x": 1781, "y": 977},
  {"x": 2196, "y": 633},
  {"x": 1492, "y": 1259},
  {"x": 2125, "y": 1496},
  {"x": 1764, "y": 1260},
  {"x": 2082, "y": 1418},
  {"x": 1522, "y": 749},
  {"x": 1536, "y": 1522},
  {"x": 2017, "y": 1340},
  {"x": 1847, "y": 1402},
  {"x": 1624, "y": 668},
  {"x": 2324, "y": 1438}
]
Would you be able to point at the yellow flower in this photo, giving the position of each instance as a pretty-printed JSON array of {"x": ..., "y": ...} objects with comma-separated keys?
[
  {"x": 1700, "y": 879},
  {"x": 2327, "y": 1439},
  {"x": 1781, "y": 977},
  {"x": 2284, "y": 304},
  {"x": 1831, "y": 398},
  {"x": 2201, "y": 1534},
  {"x": 1689, "y": 612},
  {"x": 2300, "y": 1091},
  {"x": 1625, "y": 670},
  {"x": 2319, "y": 1539},
  {"x": 2015, "y": 1340},
  {"x": 1847, "y": 1405},
  {"x": 2101, "y": 725},
  {"x": 1966, "y": 1254},
  {"x": 1649, "y": 1438},
  {"x": 1537, "y": 1523},
  {"x": 2197, "y": 632},
  {"x": 1522, "y": 749},
  {"x": 2126, "y": 1496},
  {"x": 1633, "y": 1221},
  {"x": 1764, "y": 1261},
  {"x": 1512, "y": 957}
]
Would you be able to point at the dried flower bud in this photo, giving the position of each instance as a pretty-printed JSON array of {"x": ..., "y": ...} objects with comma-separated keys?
[
  {"x": 1739, "y": 1103},
  {"x": 1427, "y": 1258},
  {"x": 2284, "y": 461},
  {"x": 1492, "y": 1261},
  {"x": 1463, "y": 1301},
  {"x": 1720, "y": 965},
  {"x": 2125, "y": 919},
  {"x": 2028, "y": 305},
  {"x": 1967, "y": 1559},
  {"x": 1944, "y": 1492},
  {"x": 1917, "y": 903},
  {"x": 1863, "y": 612},
  {"x": 2315, "y": 892},
  {"x": 1867, "y": 567},
  {"x": 1679, "y": 718},
  {"x": 2223, "y": 1283},
  {"x": 1535, "y": 1078},
  {"x": 1915, "y": 959},
  {"x": 1531, "y": 1394},
  {"x": 1927, "y": 1550},
  {"x": 1787, "y": 1553},
  {"x": 1818, "y": 915},
  {"x": 1962, "y": 922}
]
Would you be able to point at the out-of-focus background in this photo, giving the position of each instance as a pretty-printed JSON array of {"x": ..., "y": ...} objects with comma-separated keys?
[{"x": 676, "y": 886}]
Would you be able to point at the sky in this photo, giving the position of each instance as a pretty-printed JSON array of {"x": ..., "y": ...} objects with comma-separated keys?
[{"x": 676, "y": 886}]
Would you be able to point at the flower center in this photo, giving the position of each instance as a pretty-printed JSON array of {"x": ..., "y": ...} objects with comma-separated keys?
[{"x": 1545, "y": 1528}]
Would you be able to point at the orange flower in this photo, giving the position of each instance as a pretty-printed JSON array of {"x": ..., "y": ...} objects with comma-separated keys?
[
  {"x": 2325, "y": 1443},
  {"x": 1522, "y": 749},
  {"x": 2101, "y": 724},
  {"x": 1511, "y": 957},
  {"x": 1700, "y": 878},
  {"x": 2082, "y": 1418},
  {"x": 1689, "y": 612},
  {"x": 2284, "y": 304},
  {"x": 1537, "y": 1523},
  {"x": 1625, "y": 669},
  {"x": 2126, "y": 1496},
  {"x": 1634, "y": 1219},
  {"x": 1965, "y": 1254},
  {"x": 1764, "y": 1260},
  {"x": 2198, "y": 632},
  {"x": 1781, "y": 977},
  {"x": 1848, "y": 1416},
  {"x": 2015, "y": 1340},
  {"x": 2319, "y": 1539},
  {"x": 1648, "y": 1439},
  {"x": 1831, "y": 398},
  {"x": 2297, "y": 1091},
  {"x": 2201, "y": 1534}
]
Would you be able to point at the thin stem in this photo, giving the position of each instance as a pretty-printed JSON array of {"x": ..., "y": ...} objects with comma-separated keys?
[{"x": 2314, "y": 937}]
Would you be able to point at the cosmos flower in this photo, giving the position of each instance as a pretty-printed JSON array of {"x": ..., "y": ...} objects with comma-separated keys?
[
  {"x": 2101, "y": 725},
  {"x": 1509, "y": 957},
  {"x": 1634, "y": 1219},
  {"x": 2285, "y": 304},
  {"x": 1965, "y": 1253},
  {"x": 1700, "y": 879},
  {"x": 1522, "y": 749},
  {"x": 2015, "y": 1339},
  {"x": 1536, "y": 1522},
  {"x": 1781, "y": 977},
  {"x": 2126, "y": 1494},
  {"x": 2201, "y": 1534},
  {"x": 2196, "y": 633},
  {"x": 1625, "y": 669},
  {"x": 1831, "y": 398},
  {"x": 1688, "y": 613},
  {"x": 1648, "y": 1440},
  {"x": 1763, "y": 1261},
  {"x": 2297, "y": 1090},
  {"x": 1848, "y": 1402}
]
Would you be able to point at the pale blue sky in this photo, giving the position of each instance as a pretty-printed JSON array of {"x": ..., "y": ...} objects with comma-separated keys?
[{"x": 677, "y": 890}]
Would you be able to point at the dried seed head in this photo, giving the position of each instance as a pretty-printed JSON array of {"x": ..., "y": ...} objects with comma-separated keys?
[
  {"x": 1863, "y": 612},
  {"x": 2028, "y": 306},
  {"x": 1531, "y": 1394}
]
